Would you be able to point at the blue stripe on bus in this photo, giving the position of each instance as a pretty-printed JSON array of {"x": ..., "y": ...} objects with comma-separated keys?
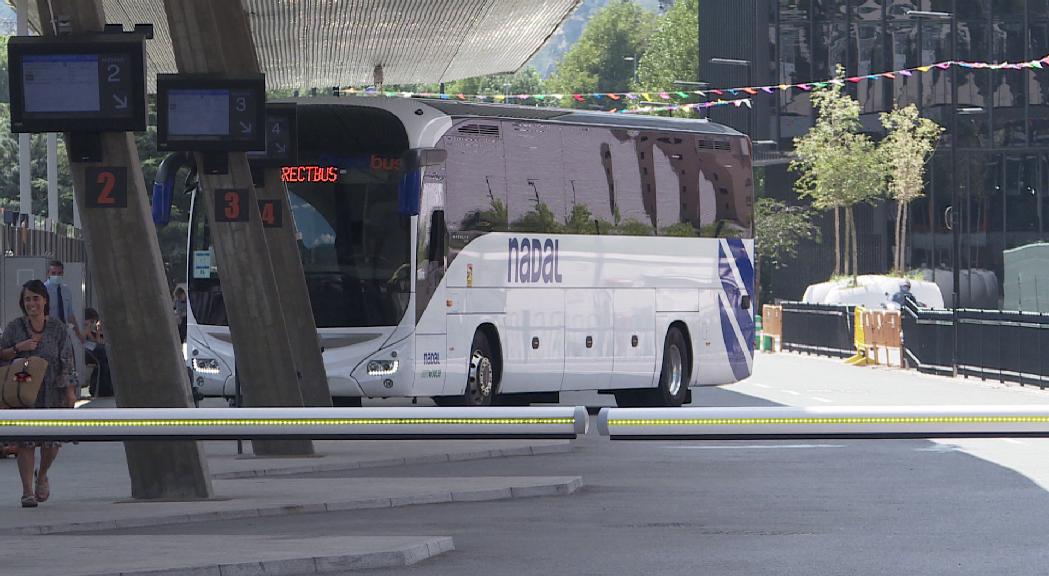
[
  {"x": 733, "y": 297},
  {"x": 743, "y": 262},
  {"x": 737, "y": 358}
]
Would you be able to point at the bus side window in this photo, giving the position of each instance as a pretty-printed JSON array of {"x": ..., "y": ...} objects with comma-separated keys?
[{"x": 438, "y": 245}]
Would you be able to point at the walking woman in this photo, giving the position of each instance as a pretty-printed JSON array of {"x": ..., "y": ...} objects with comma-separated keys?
[{"x": 36, "y": 333}]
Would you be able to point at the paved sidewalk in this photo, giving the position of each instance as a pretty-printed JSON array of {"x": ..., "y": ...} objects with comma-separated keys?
[{"x": 91, "y": 491}]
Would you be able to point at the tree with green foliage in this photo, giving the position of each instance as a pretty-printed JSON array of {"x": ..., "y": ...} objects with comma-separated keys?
[
  {"x": 779, "y": 229},
  {"x": 672, "y": 52},
  {"x": 907, "y": 149},
  {"x": 596, "y": 62},
  {"x": 839, "y": 166}
]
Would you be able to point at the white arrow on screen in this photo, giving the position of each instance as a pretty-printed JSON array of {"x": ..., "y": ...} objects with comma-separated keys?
[
  {"x": 121, "y": 102},
  {"x": 245, "y": 127},
  {"x": 281, "y": 148}
]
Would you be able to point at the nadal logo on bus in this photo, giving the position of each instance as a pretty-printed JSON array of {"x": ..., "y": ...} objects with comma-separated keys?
[{"x": 533, "y": 261}]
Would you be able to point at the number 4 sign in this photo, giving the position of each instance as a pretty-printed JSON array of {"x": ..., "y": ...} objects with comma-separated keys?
[
  {"x": 106, "y": 187},
  {"x": 272, "y": 213}
]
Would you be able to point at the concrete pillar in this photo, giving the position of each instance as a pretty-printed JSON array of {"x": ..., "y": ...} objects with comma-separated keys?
[
  {"x": 214, "y": 37},
  {"x": 52, "y": 181},
  {"x": 144, "y": 349},
  {"x": 295, "y": 296}
]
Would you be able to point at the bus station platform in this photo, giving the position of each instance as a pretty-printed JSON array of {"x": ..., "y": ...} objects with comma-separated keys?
[{"x": 247, "y": 487}]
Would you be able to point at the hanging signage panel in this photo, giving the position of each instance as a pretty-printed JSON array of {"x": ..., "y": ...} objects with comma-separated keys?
[
  {"x": 91, "y": 84},
  {"x": 211, "y": 113}
]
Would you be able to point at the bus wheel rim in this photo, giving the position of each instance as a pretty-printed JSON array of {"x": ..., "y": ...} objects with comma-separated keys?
[
  {"x": 481, "y": 379},
  {"x": 676, "y": 371}
]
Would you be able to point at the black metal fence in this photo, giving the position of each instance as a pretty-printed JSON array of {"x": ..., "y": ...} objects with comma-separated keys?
[
  {"x": 992, "y": 344},
  {"x": 928, "y": 339},
  {"x": 821, "y": 329}
]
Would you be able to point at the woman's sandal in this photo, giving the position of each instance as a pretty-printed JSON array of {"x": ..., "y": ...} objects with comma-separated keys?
[
  {"x": 29, "y": 501},
  {"x": 43, "y": 489}
]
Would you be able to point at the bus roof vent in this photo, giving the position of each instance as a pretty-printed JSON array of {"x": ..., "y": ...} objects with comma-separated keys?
[
  {"x": 713, "y": 145},
  {"x": 481, "y": 129}
]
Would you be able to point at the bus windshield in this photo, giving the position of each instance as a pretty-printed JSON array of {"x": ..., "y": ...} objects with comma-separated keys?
[
  {"x": 355, "y": 248},
  {"x": 354, "y": 241}
]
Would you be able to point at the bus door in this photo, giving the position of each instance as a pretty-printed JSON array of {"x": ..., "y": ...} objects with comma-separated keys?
[{"x": 430, "y": 267}]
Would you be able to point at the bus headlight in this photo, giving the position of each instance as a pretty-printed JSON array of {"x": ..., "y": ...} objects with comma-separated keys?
[
  {"x": 382, "y": 367},
  {"x": 206, "y": 365}
]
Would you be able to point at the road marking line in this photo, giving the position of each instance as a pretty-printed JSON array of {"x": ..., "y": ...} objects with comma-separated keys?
[
  {"x": 765, "y": 386},
  {"x": 1014, "y": 441},
  {"x": 819, "y": 399},
  {"x": 757, "y": 446},
  {"x": 792, "y": 393}
]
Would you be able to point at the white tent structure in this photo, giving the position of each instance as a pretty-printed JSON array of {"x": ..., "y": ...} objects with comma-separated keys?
[{"x": 323, "y": 43}]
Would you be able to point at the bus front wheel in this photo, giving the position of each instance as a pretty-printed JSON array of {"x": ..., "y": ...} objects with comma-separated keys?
[{"x": 481, "y": 381}]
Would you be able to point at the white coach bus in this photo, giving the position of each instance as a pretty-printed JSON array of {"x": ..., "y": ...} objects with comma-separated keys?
[{"x": 481, "y": 254}]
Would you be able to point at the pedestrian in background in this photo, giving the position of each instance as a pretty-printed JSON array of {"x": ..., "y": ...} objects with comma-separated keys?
[
  {"x": 37, "y": 334},
  {"x": 61, "y": 296},
  {"x": 95, "y": 351},
  {"x": 181, "y": 312}
]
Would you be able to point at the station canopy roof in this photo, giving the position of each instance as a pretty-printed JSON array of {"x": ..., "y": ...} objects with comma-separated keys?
[{"x": 325, "y": 43}]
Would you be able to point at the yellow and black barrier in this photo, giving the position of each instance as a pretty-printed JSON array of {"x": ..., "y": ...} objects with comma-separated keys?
[
  {"x": 819, "y": 422},
  {"x": 283, "y": 423}
]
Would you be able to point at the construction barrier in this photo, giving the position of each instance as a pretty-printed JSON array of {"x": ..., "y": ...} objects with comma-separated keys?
[
  {"x": 284, "y": 423},
  {"x": 878, "y": 329},
  {"x": 771, "y": 327},
  {"x": 780, "y": 423}
]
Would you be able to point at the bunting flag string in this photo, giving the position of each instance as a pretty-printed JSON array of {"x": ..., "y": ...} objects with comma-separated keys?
[{"x": 649, "y": 101}]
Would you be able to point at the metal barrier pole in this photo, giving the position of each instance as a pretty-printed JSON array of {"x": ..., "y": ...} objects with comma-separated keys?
[
  {"x": 781, "y": 423},
  {"x": 373, "y": 423}
]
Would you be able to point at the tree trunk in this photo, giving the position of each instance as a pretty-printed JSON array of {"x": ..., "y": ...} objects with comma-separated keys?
[
  {"x": 896, "y": 238},
  {"x": 837, "y": 242},
  {"x": 855, "y": 245},
  {"x": 848, "y": 237},
  {"x": 903, "y": 237}
]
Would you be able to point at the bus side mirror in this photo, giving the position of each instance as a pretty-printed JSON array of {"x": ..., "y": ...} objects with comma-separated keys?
[
  {"x": 164, "y": 186},
  {"x": 414, "y": 161}
]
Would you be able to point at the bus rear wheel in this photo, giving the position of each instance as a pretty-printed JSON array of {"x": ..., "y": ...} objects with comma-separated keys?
[
  {"x": 676, "y": 373},
  {"x": 672, "y": 390},
  {"x": 481, "y": 381}
]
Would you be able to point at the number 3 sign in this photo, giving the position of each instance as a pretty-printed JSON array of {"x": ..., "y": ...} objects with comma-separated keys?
[
  {"x": 106, "y": 187},
  {"x": 231, "y": 205}
]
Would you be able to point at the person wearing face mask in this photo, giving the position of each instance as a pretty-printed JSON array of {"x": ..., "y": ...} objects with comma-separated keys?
[{"x": 61, "y": 297}]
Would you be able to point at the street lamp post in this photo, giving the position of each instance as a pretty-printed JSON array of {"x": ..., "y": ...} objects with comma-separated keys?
[
  {"x": 746, "y": 64},
  {"x": 955, "y": 219},
  {"x": 632, "y": 59}
]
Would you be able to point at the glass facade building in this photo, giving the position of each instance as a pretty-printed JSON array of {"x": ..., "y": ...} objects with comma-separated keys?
[{"x": 996, "y": 163}]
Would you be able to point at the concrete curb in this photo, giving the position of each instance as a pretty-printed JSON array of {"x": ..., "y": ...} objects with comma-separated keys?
[
  {"x": 304, "y": 566},
  {"x": 387, "y": 462},
  {"x": 568, "y": 486}
]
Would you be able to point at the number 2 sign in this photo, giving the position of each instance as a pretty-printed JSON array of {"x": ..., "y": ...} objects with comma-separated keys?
[
  {"x": 106, "y": 187},
  {"x": 231, "y": 205}
]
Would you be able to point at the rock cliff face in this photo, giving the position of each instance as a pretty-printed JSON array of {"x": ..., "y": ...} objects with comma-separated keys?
[{"x": 545, "y": 61}]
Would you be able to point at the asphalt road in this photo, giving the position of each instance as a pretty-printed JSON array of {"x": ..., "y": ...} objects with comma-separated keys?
[{"x": 785, "y": 507}]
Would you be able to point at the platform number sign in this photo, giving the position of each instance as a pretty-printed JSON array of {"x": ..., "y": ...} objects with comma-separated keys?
[
  {"x": 272, "y": 213},
  {"x": 106, "y": 187},
  {"x": 231, "y": 205}
]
